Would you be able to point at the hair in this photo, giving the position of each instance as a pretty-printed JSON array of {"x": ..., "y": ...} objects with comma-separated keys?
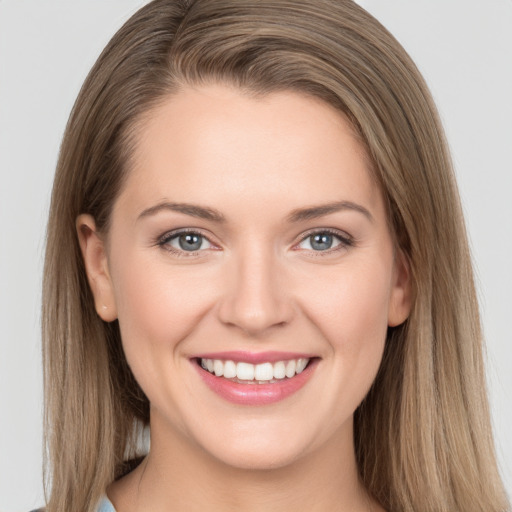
[{"x": 422, "y": 435}]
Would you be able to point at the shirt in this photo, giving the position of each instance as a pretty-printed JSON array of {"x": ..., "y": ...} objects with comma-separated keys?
[{"x": 106, "y": 505}]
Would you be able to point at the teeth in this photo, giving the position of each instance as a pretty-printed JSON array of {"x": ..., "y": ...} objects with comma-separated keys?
[
  {"x": 301, "y": 364},
  {"x": 264, "y": 371},
  {"x": 261, "y": 373},
  {"x": 218, "y": 368},
  {"x": 279, "y": 370},
  {"x": 244, "y": 371},
  {"x": 229, "y": 369},
  {"x": 291, "y": 366}
]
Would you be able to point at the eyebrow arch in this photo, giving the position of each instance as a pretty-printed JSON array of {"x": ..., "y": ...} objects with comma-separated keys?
[
  {"x": 298, "y": 215},
  {"x": 314, "y": 212},
  {"x": 186, "y": 208}
]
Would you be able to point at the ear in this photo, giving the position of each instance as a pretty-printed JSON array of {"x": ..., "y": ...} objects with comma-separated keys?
[
  {"x": 401, "y": 292},
  {"x": 96, "y": 267}
]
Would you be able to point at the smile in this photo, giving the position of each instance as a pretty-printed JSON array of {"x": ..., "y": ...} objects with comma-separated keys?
[
  {"x": 255, "y": 379},
  {"x": 263, "y": 373}
]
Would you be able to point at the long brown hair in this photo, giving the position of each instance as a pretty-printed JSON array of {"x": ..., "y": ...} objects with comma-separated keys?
[{"x": 422, "y": 435}]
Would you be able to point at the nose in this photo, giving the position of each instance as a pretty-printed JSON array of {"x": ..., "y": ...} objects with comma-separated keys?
[{"x": 256, "y": 297}]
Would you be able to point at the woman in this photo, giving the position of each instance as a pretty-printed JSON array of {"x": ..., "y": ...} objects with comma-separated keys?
[{"x": 256, "y": 249}]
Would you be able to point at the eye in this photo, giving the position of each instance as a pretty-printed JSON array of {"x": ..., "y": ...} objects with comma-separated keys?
[
  {"x": 324, "y": 241},
  {"x": 185, "y": 241}
]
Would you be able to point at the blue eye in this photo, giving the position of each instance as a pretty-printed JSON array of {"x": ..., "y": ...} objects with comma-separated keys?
[
  {"x": 187, "y": 242},
  {"x": 323, "y": 241},
  {"x": 191, "y": 242}
]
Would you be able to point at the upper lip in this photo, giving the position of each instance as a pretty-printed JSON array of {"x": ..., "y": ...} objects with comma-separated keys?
[{"x": 254, "y": 357}]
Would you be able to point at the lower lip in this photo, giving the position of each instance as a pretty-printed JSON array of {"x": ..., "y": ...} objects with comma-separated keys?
[{"x": 256, "y": 394}]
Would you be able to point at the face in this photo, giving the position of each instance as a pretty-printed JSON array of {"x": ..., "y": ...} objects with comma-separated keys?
[{"x": 251, "y": 269}]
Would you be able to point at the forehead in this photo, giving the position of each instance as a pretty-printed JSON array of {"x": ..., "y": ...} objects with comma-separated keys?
[{"x": 216, "y": 143}]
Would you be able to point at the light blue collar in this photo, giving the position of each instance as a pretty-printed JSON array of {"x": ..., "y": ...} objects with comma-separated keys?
[{"x": 106, "y": 505}]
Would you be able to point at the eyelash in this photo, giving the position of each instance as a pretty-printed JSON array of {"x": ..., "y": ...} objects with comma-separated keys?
[{"x": 345, "y": 241}]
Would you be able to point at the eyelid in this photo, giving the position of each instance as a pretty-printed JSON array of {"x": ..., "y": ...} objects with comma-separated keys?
[
  {"x": 180, "y": 231},
  {"x": 163, "y": 241},
  {"x": 345, "y": 239},
  {"x": 333, "y": 231}
]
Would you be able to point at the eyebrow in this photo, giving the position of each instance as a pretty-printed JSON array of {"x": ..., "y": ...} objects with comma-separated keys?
[
  {"x": 313, "y": 212},
  {"x": 298, "y": 215},
  {"x": 194, "y": 210}
]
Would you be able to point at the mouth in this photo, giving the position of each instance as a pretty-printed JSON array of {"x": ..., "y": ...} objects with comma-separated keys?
[
  {"x": 255, "y": 379},
  {"x": 248, "y": 373}
]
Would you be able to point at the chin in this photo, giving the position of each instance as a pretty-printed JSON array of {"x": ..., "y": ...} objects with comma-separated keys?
[
  {"x": 257, "y": 460},
  {"x": 259, "y": 449}
]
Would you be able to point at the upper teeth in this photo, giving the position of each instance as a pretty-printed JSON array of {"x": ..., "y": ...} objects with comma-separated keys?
[{"x": 255, "y": 372}]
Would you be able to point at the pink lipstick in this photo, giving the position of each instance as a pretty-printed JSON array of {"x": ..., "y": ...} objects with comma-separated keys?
[{"x": 263, "y": 378}]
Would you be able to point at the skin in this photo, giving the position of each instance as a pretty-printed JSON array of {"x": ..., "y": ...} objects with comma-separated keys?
[{"x": 257, "y": 284}]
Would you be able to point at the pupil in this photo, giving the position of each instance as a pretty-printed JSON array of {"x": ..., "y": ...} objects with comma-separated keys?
[
  {"x": 321, "y": 241},
  {"x": 190, "y": 242}
]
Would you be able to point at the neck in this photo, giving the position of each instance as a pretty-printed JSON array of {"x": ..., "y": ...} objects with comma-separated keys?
[{"x": 178, "y": 475}]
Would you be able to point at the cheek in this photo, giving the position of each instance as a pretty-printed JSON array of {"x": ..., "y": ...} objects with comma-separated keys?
[
  {"x": 351, "y": 303},
  {"x": 351, "y": 310},
  {"x": 158, "y": 305}
]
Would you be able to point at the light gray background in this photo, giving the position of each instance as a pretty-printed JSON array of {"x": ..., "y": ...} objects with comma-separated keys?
[{"x": 463, "y": 47}]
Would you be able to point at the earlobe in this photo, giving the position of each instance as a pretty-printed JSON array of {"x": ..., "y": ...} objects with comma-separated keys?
[
  {"x": 96, "y": 267},
  {"x": 401, "y": 293}
]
